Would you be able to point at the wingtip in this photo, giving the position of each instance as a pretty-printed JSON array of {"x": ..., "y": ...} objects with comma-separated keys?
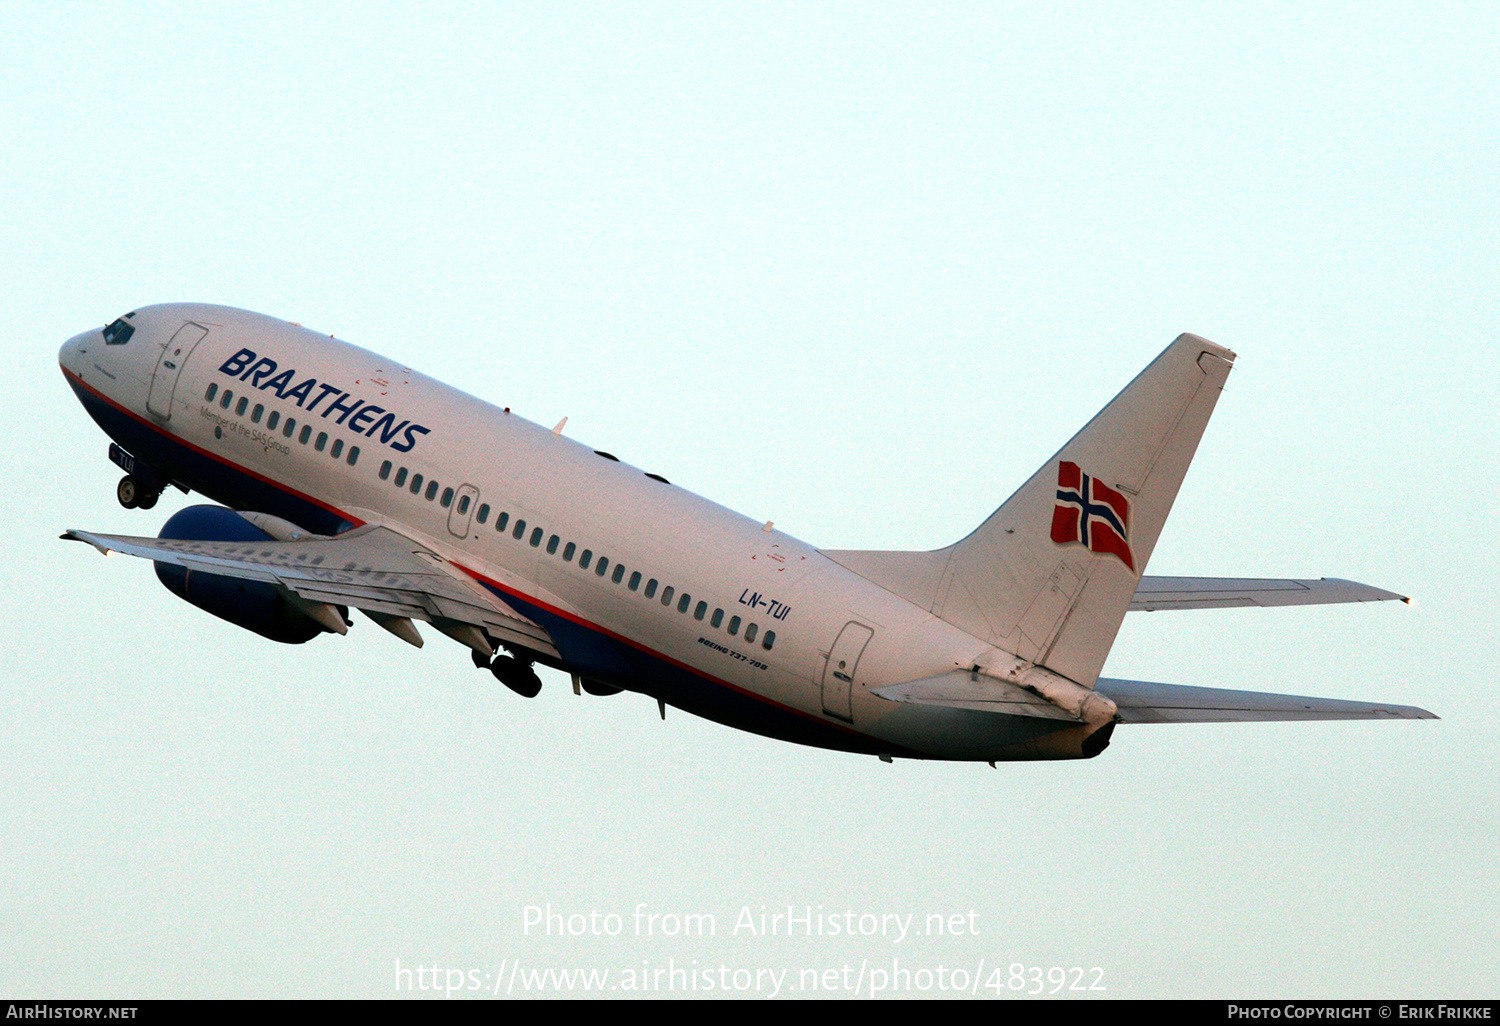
[
  {"x": 84, "y": 536},
  {"x": 1369, "y": 593}
]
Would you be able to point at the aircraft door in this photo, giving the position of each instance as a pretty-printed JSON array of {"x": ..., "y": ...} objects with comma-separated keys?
[
  {"x": 462, "y": 510},
  {"x": 169, "y": 368},
  {"x": 838, "y": 671}
]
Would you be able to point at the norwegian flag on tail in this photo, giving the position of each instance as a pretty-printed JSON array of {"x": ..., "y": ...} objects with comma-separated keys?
[{"x": 1092, "y": 514}]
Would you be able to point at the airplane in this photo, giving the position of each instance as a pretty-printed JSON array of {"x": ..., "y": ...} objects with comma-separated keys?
[{"x": 343, "y": 480}]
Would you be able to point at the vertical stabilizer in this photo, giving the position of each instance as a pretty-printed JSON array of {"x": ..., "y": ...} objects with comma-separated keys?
[{"x": 1051, "y": 573}]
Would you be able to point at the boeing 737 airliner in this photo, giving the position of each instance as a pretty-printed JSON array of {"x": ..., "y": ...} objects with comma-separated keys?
[{"x": 347, "y": 481}]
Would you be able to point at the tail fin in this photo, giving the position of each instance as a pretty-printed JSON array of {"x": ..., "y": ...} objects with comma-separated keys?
[{"x": 1051, "y": 573}]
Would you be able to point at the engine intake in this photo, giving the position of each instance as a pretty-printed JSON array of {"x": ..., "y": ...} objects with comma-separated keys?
[{"x": 254, "y": 605}]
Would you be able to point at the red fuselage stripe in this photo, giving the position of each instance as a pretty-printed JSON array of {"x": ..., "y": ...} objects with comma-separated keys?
[{"x": 488, "y": 582}]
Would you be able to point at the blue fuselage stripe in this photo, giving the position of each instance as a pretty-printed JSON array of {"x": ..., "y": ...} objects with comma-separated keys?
[{"x": 586, "y": 648}]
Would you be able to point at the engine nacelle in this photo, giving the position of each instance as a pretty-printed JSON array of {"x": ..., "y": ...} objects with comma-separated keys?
[{"x": 254, "y": 605}]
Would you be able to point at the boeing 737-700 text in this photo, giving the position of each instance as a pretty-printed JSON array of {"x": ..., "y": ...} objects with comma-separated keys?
[{"x": 348, "y": 481}]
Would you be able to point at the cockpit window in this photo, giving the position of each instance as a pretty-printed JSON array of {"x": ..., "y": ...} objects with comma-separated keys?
[{"x": 118, "y": 333}]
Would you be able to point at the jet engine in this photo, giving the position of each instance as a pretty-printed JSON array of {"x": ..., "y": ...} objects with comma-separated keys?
[{"x": 255, "y": 605}]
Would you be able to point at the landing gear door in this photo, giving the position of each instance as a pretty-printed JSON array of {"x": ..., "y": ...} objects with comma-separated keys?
[
  {"x": 838, "y": 672},
  {"x": 169, "y": 368}
]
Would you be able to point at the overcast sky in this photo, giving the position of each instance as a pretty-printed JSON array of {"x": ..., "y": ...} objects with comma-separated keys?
[{"x": 855, "y": 268}]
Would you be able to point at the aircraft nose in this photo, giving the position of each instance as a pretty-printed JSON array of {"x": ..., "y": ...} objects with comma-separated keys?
[{"x": 73, "y": 349}]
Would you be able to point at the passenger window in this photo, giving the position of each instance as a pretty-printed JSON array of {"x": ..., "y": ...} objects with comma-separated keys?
[
  {"x": 338, "y": 447},
  {"x": 619, "y": 573},
  {"x": 239, "y": 407},
  {"x": 432, "y": 487},
  {"x": 585, "y": 559},
  {"x": 255, "y": 413},
  {"x": 401, "y": 477},
  {"x": 568, "y": 551},
  {"x": 226, "y": 399},
  {"x": 666, "y": 595},
  {"x": 322, "y": 441},
  {"x": 717, "y": 618},
  {"x": 651, "y": 588},
  {"x": 520, "y": 530},
  {"x": 463, "y": 505},
  {"x": 416, "y": 484},
  {"x": 501, "y": 521},
  {"x": 272, "y": 419},
  {"x": 290, "y": 428},
  {"x": 750, "y": 632},
  {"x": 603, "y": 566},
  {"x": 448, "y": 498},
  {"x": 211, "y": 391},
  {"x": 536, "y": 536},
  {"x": 768, "y": 640},
  {"x": 483, "y": 515},
  {"x": 635, "y": 581},
  {"x": 353, "y": 456},
  {"x": 700, "y": 610},
  {"x": 682, "y": 603},
  {"x": 306, "y": 434},
  {"x": 734, "y": 626},
  {"x": 552, "y": 544}
]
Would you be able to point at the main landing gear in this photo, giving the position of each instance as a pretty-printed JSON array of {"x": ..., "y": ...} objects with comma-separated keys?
[
  {"x": 133, "y": 493},
  {"x": 514, "y": 673}
]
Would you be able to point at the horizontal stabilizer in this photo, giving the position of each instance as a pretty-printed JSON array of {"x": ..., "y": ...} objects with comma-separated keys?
[
  {"x": 962, "y": 689},
  {"x": 1155, "y": 593},
  {"x": 1142, "y": 701}
]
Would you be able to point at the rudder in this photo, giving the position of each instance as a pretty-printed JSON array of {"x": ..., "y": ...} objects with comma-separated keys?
[{"x": 1049, "y": 575}]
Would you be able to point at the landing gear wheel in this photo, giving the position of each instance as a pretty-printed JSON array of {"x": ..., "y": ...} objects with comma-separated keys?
[
  {"x": 517, "y": 676},
  {"x": 134, "y": 495}
]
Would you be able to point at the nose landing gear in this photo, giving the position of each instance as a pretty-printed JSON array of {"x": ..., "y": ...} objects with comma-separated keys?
[
  {"x": 133, "y": 493},
  {"x": 142, "y": 484}
]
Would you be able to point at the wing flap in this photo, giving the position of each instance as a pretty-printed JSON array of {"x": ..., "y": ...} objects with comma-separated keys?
[
  {"x": 371, "y": 568},
  {"x": 1158, "y": 593},
  {"x": 1142, "y": 701}
]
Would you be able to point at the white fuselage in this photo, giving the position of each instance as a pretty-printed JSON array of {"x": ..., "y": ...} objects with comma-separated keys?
[{"x": 211, "y": 413}]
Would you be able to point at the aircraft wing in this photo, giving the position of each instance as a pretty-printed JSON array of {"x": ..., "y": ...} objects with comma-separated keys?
[
  {"x": 1155, "y": 593},
  {"x": 1142, "y": 701},
  {"x": 371, "y": 568}
]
